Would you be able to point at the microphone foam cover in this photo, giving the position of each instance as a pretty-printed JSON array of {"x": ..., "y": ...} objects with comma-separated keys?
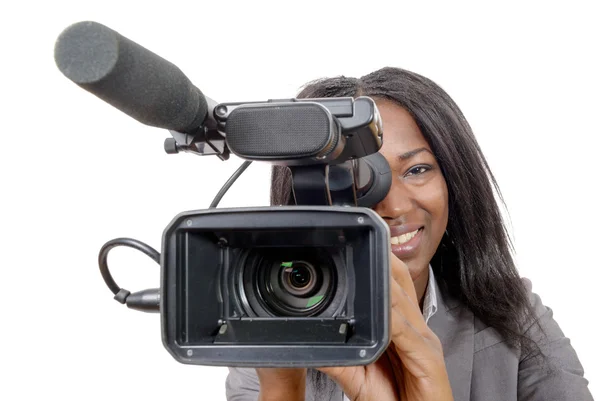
[{"x": 128, "y": 76}]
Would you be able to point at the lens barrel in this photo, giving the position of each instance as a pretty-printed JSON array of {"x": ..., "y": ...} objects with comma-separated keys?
[{"x": 288, "y": 282}]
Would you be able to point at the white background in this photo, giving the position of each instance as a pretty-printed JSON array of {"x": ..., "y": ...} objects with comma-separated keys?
[{"x": 76, "y": 173}]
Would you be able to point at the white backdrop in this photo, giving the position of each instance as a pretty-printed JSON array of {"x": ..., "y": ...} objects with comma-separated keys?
[{"x": 76, "y": 173}]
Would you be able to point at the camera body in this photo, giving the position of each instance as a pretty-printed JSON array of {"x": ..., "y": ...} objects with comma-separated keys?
[
  {"x": 304, "y": 285},
  {"x": 276, "y": 286}
]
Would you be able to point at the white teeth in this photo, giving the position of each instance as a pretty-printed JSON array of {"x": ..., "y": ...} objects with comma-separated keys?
[{"x": 401, "y": 239}]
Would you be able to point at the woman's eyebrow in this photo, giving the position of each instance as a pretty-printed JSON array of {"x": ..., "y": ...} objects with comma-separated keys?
[{"x": 411, "y": 153}]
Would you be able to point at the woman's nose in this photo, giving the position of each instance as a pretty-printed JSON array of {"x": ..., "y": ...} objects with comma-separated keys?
[{"x": 397, "y": 203}]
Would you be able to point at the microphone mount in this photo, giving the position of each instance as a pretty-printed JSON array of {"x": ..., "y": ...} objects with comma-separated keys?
[{"x": 340, "y": 172}]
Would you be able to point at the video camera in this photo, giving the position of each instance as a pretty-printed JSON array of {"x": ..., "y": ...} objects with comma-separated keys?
[{"x": 302, "y": 285}]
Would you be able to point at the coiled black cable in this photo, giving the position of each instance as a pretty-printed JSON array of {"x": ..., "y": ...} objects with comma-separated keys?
[{"x": 147, "y": 300}]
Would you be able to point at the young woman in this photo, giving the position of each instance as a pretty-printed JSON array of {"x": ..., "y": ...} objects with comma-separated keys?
[{"x": 465, "y": 326}]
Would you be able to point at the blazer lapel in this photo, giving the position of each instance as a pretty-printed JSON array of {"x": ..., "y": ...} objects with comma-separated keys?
[{"x": 454, "y": 326}]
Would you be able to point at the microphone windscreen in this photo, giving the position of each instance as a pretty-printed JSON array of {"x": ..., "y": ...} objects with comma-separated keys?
[{"x": 129, "y": 77}]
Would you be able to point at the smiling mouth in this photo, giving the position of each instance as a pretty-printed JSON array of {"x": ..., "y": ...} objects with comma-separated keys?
[{"x": 404, "y": 238}]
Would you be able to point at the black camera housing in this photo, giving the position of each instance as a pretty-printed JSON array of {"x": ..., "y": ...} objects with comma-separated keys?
[
  {"x": 211, "y": 307},
  {"x": 303, "y": 285}
]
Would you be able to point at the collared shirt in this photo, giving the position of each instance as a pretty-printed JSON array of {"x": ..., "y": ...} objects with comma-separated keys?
[{"x": 430, "y": 301}]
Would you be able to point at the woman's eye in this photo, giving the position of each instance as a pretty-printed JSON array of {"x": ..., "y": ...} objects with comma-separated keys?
[{"x": 417, "y": 170}]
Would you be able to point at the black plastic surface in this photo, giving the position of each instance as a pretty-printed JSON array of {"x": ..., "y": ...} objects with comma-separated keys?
[
  {"x": 380, "y": 184},
  {"x": 203, "y": 318}
]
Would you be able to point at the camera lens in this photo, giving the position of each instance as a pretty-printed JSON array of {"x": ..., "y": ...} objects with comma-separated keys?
[
  {"x": 290, "y": 281},
  {"x": 300, "y": 277}
]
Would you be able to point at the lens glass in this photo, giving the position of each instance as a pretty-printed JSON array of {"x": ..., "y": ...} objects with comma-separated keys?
[
  {"x": 300, "y": 277},
  {"x": 291, "y": 281}
]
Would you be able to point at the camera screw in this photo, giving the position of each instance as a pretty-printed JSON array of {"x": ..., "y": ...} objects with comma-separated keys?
[
  {"x": 171, "y": 146},
  {"x": 362, "y": 353},
  {"x": 189, "y": 223},
  {"x": 343, "y": 328},
  {"x": 221, "y": 111},
  {"x": 190, "y": 352},
  {"x": 361, "y": 220},
  {"x": 223, "y": 329}
]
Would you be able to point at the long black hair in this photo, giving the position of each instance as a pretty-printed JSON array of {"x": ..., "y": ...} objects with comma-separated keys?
[{"x": 474, "y": 260}]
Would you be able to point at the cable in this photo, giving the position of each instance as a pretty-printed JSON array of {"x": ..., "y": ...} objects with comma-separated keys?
[
  {"x": 229, "y": 183},
  {"x": 145, "y": 300}
]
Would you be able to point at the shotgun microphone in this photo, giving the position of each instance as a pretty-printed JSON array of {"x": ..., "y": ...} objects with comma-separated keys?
[{"x": 129, "y": 77}]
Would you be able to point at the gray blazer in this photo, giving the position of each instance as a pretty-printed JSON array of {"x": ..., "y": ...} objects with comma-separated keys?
[{"x": 480, "y": 365}]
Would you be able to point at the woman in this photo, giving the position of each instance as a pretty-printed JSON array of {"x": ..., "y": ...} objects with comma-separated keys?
[{"x": 465, "y": 326}]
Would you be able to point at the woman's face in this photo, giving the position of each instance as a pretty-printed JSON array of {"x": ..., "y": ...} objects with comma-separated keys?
[{"x": 416, "y": 207}]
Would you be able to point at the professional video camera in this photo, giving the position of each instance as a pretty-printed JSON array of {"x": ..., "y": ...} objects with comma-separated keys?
[{"x": 301, "y": 285}]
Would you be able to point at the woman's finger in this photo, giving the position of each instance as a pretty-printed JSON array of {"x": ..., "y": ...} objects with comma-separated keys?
[
  {"x": 405, "y": 337},
  {"x": 407, "y": 317},
  {"x": 372, "y": 382},
  {"x": 405, "y": 306},
  {"x": 348, "y": 377},
  {"x": 418, "y": 353},
  {"x": 401, "y": 275}
]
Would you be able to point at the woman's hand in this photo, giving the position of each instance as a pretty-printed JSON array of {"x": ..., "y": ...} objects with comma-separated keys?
[
  {"x": 281, "y": 384},
  {"x": 412, "y": 368}
]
